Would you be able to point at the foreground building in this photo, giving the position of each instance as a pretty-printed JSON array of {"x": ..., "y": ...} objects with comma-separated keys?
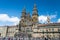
[
  {"x": 8, "y": 31},
  {"x": 51, "y": 30},
  {"x": 30, "y": 26}
]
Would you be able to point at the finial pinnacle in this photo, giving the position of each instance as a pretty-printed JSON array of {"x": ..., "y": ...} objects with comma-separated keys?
[
  {"x": 35, "y": 6},
  {"x": 24, "y": 9}
]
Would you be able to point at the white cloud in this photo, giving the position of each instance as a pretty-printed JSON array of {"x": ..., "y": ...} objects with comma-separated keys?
[
  {"x": 43, "y": 18},
  {"x": 6, "y": 18},
  {"x": 58, "y": 20}
]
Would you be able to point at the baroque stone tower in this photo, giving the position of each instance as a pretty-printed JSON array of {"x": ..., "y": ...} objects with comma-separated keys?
[
  {"x": 27, "y": 22},
  {"x": 34, "y": 20},
  {"x": 35, "y": 14}
]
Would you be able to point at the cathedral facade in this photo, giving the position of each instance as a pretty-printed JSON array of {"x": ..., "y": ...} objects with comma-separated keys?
[{"x": 30, "y": 26}]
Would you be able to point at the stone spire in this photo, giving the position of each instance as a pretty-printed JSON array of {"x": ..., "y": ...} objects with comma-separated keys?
[
  {"x": 24, "y": 9},
  {"x": 35, "y": 15},
  {"x": 28, "y": 15},
  {"x": 23, "y": 17},
  {"x": 23, "y": 12},
  {"x": 35, "y": 11},
  {"x": 48, "y": 19}
]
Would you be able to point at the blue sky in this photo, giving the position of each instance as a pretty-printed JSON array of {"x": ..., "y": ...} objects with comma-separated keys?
[{"x": 13, "y": 8}]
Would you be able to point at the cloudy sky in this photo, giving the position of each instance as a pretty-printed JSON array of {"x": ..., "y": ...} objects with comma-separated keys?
[{"x": 10, "y": 10}]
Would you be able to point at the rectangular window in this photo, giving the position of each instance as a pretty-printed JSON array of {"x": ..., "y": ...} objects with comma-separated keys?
[
  {"x": 52, "y": 29},
  {"x": 59, "y": 30}
]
